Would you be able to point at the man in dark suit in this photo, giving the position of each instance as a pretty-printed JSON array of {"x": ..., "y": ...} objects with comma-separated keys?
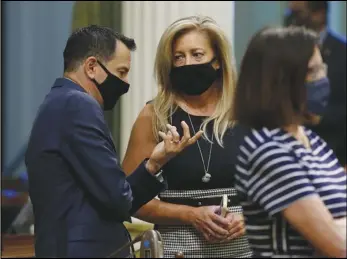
[
  {"x": 79, "y": 193},
  {"x": 331, "y": 124}
]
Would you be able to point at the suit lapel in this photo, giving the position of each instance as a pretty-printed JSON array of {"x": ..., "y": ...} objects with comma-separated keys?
[{"x": 326, "y": 47}]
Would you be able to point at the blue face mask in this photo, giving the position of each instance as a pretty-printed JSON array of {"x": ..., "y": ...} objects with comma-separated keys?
[{"x": 318, "y": 93}]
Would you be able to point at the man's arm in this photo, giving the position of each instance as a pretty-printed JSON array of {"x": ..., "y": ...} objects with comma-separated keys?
[{"x": 93, "y": 158}]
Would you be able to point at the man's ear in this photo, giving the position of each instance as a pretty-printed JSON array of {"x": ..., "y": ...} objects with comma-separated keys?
[{"x": 90, "y": 67}]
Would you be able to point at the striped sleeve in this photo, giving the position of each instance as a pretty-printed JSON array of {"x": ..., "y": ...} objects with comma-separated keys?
[{"x": 274, "y": 179}]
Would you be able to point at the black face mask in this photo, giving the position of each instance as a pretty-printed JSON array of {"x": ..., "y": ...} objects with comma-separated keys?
[
  {"x": 193, "y": 79},
  {"x": 111, "y": 89}
]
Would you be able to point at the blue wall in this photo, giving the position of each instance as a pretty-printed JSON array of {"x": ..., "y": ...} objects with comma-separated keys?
[
  {"x": 251, "y": 16},
  {"x": 34, "y": 37},
  {"x": 337, "y": 18}
]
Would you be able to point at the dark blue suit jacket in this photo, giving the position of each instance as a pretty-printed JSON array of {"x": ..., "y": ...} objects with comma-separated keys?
[
  {"x": 333, "y": 125},
  {"x": 80, "y": 194}
]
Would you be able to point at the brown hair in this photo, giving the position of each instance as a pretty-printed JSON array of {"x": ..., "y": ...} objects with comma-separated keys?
[{"x": 270, "y": 91}]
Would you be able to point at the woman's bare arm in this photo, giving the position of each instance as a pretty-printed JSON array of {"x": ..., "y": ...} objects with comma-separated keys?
[
  {"x": 312, "y": 219},
  {"x": 141, "y": 145}
]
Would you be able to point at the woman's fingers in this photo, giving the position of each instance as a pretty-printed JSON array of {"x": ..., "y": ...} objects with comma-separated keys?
[
  {"x": 175, "y": 135},
  {"x": 186, "y": 132},
  {"x": 195, "y": 138}
]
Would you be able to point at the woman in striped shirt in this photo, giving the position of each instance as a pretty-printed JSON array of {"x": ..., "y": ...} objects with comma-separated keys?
[{"x": 291, "y": 186}]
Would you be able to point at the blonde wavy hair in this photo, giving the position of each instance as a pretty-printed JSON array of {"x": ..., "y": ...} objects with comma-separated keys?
[{"x": 164, "y": 103}]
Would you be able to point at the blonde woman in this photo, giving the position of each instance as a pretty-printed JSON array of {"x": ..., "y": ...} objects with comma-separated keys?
[{"x": 194, "y": 72}]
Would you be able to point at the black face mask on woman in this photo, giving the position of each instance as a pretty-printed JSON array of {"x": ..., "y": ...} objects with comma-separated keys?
[
  {"x": 193, "y": 79},
  {"x": 111, "y": 88}
]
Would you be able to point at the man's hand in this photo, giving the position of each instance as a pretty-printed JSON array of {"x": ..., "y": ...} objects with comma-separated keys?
[{"x": 171, "y": 145}]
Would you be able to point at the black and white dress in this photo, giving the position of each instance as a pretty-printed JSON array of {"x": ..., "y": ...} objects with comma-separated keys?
[{"x": 183, "y": 175}]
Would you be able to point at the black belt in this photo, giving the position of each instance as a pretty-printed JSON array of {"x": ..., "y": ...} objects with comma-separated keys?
[{"x": 232, "y": 201}]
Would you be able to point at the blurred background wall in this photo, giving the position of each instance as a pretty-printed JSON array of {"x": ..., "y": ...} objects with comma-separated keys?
[
  {"x": 33, "y": 39},
  {"x": 34, "y": 36}
]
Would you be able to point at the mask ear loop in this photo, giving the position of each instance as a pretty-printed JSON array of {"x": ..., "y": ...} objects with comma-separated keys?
[{"x": 104, "y": 68}]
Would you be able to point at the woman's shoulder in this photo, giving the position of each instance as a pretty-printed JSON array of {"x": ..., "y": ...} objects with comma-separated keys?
[
  {"x": 147, "y": 110},
  {"x": 252, "y": 140},
  {"x": 144, "y": 119},
  {"x": 143, "y": 125},
  {"x": 247, "y": 134},
  {"x": 149, "y": 102},
  {"x": 311, "y": 134}
]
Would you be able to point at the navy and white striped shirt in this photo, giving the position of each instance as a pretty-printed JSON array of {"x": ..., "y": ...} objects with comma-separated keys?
[{"x": 273, "y": 171}]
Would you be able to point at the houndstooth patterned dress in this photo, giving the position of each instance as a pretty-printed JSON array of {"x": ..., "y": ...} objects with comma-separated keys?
[
  {"x": 183, "y": 175},
  {"x": 186, "y": 239}
]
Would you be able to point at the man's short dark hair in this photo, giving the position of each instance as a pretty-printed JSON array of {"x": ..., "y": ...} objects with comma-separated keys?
[
  {"x": 93, "y": 40},
  {"x": 316, "y": 6},
  {"x": 271, "y": 86}
]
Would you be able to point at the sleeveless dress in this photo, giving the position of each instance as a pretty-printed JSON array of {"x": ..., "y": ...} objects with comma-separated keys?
[{"x": 183, "y": 176}]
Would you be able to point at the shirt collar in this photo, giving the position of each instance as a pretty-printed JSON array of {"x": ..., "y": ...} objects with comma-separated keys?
[{"x": 62, "y": 81}]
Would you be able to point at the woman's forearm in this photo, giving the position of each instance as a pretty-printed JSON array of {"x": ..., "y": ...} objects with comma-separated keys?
[
  {"x": 159, "y": 212},
  {"x": 316, "y": 224},
  {"x": 341, "y": 225}
]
